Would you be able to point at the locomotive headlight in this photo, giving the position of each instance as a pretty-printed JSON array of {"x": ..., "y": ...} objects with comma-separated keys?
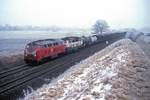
[
  {"x": 27, "y": 46},
  {"x": 34, "y": 53}
]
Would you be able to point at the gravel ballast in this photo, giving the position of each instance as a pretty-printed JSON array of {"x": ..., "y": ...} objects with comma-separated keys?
[
  {"x": 11, "y": 60},
  {"x": 121, "y": 71}
]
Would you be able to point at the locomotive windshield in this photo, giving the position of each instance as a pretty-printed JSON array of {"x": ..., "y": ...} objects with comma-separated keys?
[{"x": 32, "y": 46}]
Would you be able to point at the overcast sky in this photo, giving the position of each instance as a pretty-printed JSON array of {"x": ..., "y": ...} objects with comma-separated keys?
[{"x": 75, "y": 13}]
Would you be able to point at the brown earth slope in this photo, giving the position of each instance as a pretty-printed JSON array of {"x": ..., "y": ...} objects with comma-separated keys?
[{"x": 119, "y": 72}]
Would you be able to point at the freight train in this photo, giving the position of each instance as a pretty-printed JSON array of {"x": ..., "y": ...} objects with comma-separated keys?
[{"x": 36, "y": 51}]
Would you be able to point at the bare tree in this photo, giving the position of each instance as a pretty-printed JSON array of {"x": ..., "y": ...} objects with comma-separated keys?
[{"x": 100, "y": 26}]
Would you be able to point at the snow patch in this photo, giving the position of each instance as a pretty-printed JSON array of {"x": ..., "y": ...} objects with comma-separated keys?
[{"x": 105, "y": 75}]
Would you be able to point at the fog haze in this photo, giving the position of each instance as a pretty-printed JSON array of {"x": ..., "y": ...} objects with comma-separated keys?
[{"x": 75, "y": 13}]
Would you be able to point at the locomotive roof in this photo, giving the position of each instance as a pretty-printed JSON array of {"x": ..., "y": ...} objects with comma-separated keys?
[
  {"x": 71, "y": 38},
  {"x": 46, "y": 41}
]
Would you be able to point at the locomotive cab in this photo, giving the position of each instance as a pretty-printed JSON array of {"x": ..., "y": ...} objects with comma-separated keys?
[{"x": 30, "y": 52}]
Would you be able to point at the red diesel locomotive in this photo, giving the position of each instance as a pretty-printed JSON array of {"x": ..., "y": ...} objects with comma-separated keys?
[{"x": 38, "y": 50}]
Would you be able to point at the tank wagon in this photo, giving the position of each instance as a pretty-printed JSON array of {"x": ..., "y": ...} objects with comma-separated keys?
[
  {"x": 93, "y": 39},
  {"x": 86, "y": 41}
]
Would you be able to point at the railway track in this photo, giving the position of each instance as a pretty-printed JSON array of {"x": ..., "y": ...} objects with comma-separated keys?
[
  {"x": 13, "y": 71},
  {"x": 16, "y": 77},
  {"x": 30, "y": 76},
  {"x": 9, "y": 82}
]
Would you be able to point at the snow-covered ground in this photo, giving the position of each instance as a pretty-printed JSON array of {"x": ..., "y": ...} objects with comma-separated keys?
[
  {"x": 118, "y": 72},
  {"x": 15, "y": 41},
  {"x": 12, "y": 46},
  {"x": 144, "y": 43},
  {"x": 142, "y": 39},
  {"x": 134, "y": 34}
]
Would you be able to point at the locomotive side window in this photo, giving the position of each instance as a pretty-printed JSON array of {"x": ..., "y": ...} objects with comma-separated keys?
[
  {"x": 49, "y": 45},
  {"x": 45, "y": 46},
  {"x": 39, "y": 46},
  {"x": 60, "y": 43},
  {"x": 56, "y": 43}
]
